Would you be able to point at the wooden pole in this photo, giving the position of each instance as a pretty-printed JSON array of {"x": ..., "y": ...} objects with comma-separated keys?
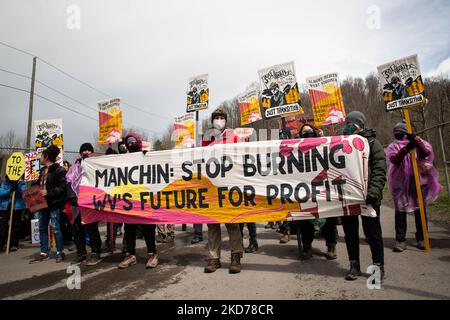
[
  {"x": 418, "y": 186},
  {"x": 10, "y": 221}
]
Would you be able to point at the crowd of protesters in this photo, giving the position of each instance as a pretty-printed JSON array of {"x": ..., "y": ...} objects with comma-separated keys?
[{"x": 59, "y": 185}]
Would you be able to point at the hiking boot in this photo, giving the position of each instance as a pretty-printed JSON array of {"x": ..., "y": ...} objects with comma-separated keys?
[
  {"x": 235, "y": 266},
  {"x": 40, "y": 257},
  {"x": 60, "y": 257},
  {"x": 196, "y": 240},
  {"x": 213, "y": 265},
  {"x": 268, "y": 225},
  {"x": 285, "y": 238},
  {"x": 80, "y": 258},
  {"x": 252, "y": 247},
  {"x": 331, "y": 252},
  {"x": 152, "y": 260},
  {"x": 399, "y": 246},
  {"x": 128, "y": 261},
  {"x": 93, "y": 259},
  {"x": 354, "y": 271},
  {"x": 420, "y": 245},
  {"x": 13, "y": 249},
  {"x": 307, "y": 252}
]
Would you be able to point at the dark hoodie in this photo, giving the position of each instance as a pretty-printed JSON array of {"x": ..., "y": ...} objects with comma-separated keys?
[{"x": 377, "y": 166}]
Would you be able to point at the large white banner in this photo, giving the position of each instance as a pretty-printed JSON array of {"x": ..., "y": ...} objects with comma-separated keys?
[{"x": 230, "y": 183}]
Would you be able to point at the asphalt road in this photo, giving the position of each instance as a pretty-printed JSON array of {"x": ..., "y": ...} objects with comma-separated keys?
[{"x": 274, "y": 272}]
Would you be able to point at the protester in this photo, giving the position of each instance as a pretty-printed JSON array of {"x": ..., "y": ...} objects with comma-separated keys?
[
  {"x": 402, "y": 184},
  {"x": 106, "y": 247},
  {"x": 7, "y": 187},
  {"x": 133, "y": 143},
  {"x": 356, "y": 124},
  {"x": 74, "y": 179},
  {"x": 53, "y": 182},
  {"x": 66, "y": 165},
  {"x": 66, "y": 226},
  {"x": 221, "y": 134},
  {"x": 327, "y": 226}
]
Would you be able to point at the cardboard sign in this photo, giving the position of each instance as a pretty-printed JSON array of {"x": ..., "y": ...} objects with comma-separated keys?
[
  {"x": 34, "y": 199},
  {"x": 15, "y": 166}
]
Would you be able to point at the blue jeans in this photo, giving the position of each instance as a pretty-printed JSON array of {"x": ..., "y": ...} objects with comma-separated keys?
[
  {"x": 198, "y": 230},
  {"x": 51, "y": 215}
]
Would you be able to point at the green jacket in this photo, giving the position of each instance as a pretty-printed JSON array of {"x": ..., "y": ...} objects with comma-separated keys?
[{"x": 377, "y": 166}]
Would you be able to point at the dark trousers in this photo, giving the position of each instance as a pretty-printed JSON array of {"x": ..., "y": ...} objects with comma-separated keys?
[
  {"x": 328, "y": 231},
  {"x": 372, "y": 231},
  {"x": 66, "y": 228},
  {"x": 15, "y": 228},
  {"x": 251, "y": 226},
  {"x": 80, "y": 240},
  {"x": 116, "y": 228},
  {"x": 400, "y": 225},
  {"x": 148, "y": 231},
  {"x": 198, "y": 230}
]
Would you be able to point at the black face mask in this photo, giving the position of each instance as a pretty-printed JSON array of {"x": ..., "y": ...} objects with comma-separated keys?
[
  {"x": 309, "y": 134},
  {"x": 399, "y": 135}
]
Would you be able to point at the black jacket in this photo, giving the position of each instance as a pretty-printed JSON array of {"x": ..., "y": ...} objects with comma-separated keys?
[
  {"x": 377, "y": 167},
  {"x": 55, "y": 185}
]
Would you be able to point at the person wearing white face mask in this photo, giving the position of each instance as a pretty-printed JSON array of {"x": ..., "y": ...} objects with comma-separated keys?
[{"x": 221, "y": 134}]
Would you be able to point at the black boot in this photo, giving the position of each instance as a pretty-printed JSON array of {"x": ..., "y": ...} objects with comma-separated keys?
[
  {"x": 252, "y": 247},
  {"x": 307, "y": 252},
  {"x": 354, "y": 271}
]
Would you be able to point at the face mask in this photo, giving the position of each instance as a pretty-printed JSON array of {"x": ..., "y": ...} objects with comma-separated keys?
[
  {"x": 349, "y": 129},
  {"x": 309, "y": 134},
  {"x": 219, "y": 124},
  {"x": 399, "y": 135}
]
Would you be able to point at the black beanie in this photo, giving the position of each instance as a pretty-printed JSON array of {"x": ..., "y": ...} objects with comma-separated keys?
[{"x": 86, "y": 147}]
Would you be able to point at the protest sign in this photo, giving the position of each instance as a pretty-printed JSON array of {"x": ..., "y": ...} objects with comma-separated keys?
[
  {"x": 249, "y": 106},
  {"x": 197, "y": 93},
  {"x": 35, "y": 231},
  {"x": 279, "y": 88},
  {"x": 15, "y": 166},
  {"x": 32, "y": 166},
  {"x": 184, "y": 131},
  {"x": 326, "y": 99},
  {"x": 48, "y": 132},
  {"x": 401, "y": 82},
  {"x": 110, "y": 121},
  {"x": 229, "y": 183}
]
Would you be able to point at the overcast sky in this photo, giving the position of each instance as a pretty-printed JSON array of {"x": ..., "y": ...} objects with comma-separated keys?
[{"x": 144, "y": 51}]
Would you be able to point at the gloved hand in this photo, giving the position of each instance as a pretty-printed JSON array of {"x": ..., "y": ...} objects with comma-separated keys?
[
  {"x": 411, "y": 136},
  {"x": 411, "y": 145},
  {"x": 371, "y": 200}
]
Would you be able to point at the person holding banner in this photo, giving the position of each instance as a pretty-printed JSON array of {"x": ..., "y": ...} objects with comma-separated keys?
[
  {"x": 401, "y": 181},
  {"x": 355, "y": 124},
  {"x": 6, "y": 189},
  {"x": 73, "y": 177},
  {"x": 221, "y": 134},
  {"x": 53, "y": 183},
  {"x": 133, "y": 143},
  {"x": 328, "y": 225}
]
